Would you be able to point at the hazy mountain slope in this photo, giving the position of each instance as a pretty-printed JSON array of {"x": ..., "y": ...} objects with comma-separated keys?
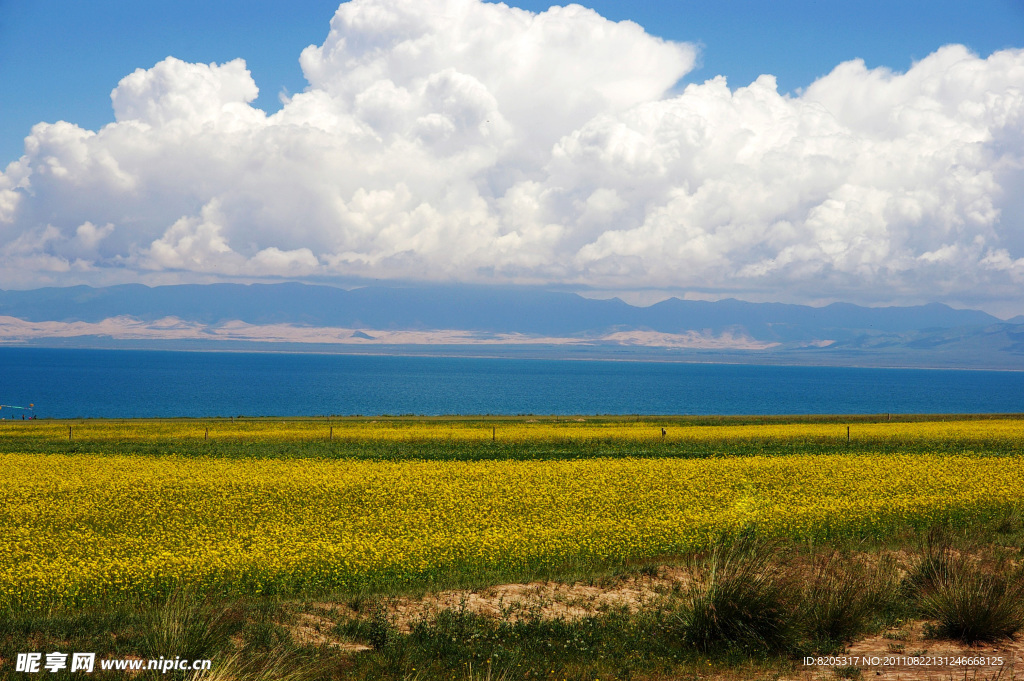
[
  {"x": 482, "y": 309},
  {"x": 504, "y": 322}
]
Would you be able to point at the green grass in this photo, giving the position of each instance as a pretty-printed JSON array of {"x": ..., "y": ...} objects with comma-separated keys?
[
  {"x": 533, "y": 451},
  {"x": 87, "y": 441}
]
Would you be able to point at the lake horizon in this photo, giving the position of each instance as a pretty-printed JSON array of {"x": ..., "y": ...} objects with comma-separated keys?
[{"x": 135, "y": 383}]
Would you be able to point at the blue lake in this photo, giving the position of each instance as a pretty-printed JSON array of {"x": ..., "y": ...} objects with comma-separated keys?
[{"x": 65, "y": 383}]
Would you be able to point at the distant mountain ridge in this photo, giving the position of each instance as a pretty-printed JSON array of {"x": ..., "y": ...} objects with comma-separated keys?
[
  {"x": 456, "y": 320},
  {"x": 531, "y": 312}
]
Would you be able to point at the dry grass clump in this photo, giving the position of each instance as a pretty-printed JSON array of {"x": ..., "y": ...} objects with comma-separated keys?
[
  {"x": 739, "y": 598},
  {"x": 841, "y": 597},
  {"x": 189, "y": 627},
  {"x": 747, "y": 596},
  {"x": 972, "y": 596},
  {"x": 281, "y": 665}
]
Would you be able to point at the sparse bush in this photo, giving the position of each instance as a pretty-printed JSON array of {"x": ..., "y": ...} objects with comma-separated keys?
[
  {"x": 840, "y": 597},
  {"x": 649, "y": 571},
  {"x": 188, "y": 627},
  {"x": 262, "y": 635},
  {"x": 933, "y": 567},
  {"x": 970, "y": 596},
  {"x": 380, "y": 631},
  {"x": 973, "y": 602},
  {"x": 739, "y": 599}
]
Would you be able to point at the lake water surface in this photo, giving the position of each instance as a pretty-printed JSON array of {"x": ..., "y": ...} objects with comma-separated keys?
[{"x": 66, "y": 383}]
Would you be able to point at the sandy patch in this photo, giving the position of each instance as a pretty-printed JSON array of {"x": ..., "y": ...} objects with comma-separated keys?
[
  {"x": 906, "y": 654},
  {"x": 516, "y": 602},
  {"x": 314, "y": 630}
]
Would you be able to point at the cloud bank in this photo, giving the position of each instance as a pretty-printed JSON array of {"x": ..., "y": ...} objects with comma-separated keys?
[{"x": 456, "y": 140}]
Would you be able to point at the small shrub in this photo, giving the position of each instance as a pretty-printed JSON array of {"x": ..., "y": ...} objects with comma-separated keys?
[
  {"x": 841, "y": 597},
  {"x": 741, "y": 599},
  {"x": 264, "y": 635},
  {"x": 970, "y": 597},
  {"x": 972, "y": 602},
  {"x": 380, "y": 631},
  {"x": 188, "y": 627},
  {"x": 933, "y": 568}
]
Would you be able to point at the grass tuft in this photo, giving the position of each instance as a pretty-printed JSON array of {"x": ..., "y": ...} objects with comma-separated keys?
[
  {"x": 970, "y": 596},
  {"x": 934, "y": 566},
  {"x": 279, "y": 665},
  {"x": 973, "y": 603},
  {"x": 186, "y": 626},
  {"x": 841, "y": 597},
  {"x": 739, "y": 599}
]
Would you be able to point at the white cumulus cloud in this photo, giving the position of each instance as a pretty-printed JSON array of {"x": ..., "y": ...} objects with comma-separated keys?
[{"x": 460, "y": 140}]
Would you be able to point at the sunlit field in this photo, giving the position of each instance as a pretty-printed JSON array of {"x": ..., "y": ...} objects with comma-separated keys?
[
  {"x": 116, "y": 512},
  {"x": 624, "y": 432},
  {"x": 526, "y": 438}
]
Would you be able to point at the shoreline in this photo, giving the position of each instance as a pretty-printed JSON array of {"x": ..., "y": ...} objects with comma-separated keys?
[{"x": 556, "y": 353}]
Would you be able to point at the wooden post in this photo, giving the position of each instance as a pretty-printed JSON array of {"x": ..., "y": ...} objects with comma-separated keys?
[
  {"x": 69, "y": 433},
  {"x": 207, "y": 436},
  {"x": 331, "y": 437},
  {"x": 847, "y": 434},
  {"x": 494, "y": 434}
]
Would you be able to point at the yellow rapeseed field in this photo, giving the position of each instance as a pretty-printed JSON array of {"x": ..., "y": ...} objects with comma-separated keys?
[
  {"x": 529, "y": 430},
  {"x": 85, "y": 528}
]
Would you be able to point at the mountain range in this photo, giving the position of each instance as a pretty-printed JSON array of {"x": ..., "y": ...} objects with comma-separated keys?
[{"x": 459, "y": 319}]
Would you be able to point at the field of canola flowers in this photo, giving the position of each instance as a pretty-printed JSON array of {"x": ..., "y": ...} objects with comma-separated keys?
[
  {"x": 623, "y": 431},
  {"x": 84, "y": 527}
]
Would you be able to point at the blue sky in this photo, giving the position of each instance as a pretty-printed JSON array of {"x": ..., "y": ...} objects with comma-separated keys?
[
  {"x": 451, "y": 141},
  {"x": 60, "y": 59}
]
